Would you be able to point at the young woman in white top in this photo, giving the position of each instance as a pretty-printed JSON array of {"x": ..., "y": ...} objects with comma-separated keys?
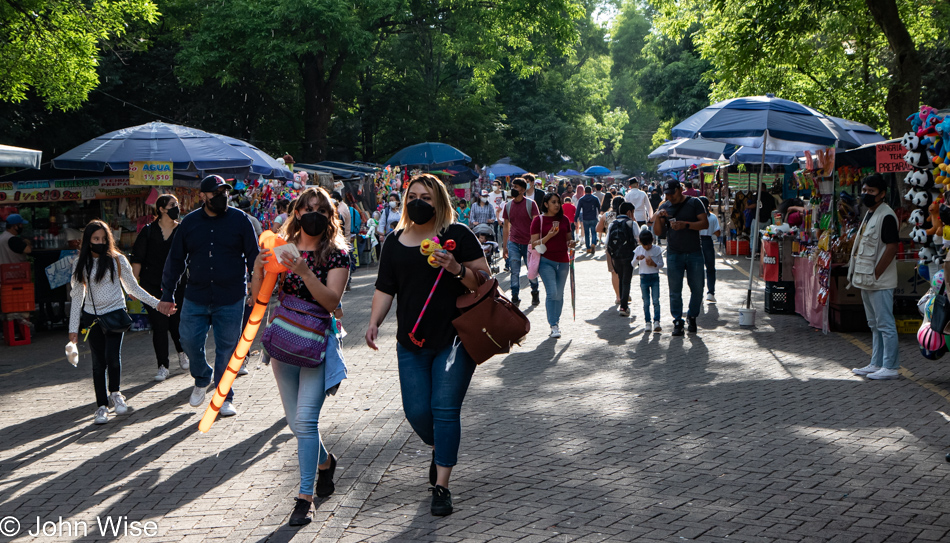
[{"x": 99, "y": 275}]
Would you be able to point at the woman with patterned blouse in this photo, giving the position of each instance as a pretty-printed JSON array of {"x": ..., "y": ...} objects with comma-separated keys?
[{"x": 318, "y": 276}]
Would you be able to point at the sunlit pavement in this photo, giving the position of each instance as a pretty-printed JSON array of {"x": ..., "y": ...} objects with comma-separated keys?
[{"x": 607, "y": 434}]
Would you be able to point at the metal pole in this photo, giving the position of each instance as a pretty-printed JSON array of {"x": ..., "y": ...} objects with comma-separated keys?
[{"x": 755, "y": 221}]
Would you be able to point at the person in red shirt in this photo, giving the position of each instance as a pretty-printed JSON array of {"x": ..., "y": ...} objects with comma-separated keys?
[
  {"x": 552, "y": 236},
  {"x": 569, "y": 210}
]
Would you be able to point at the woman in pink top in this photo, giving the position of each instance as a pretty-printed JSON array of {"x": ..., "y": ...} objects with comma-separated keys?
[{"x": 552, "y": 229}]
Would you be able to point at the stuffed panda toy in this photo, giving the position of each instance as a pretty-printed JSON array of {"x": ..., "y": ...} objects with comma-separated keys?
[
  {"x": 922, "y": 179},
  {"x": 919, "y": 158},
  {"x": 917, "y": 217},
  {"x": 910, "y": 141},
  {"x": 922, "y": 198},
  {"x": 919, "y": 235},
  {"x": 926, "y": 255}
]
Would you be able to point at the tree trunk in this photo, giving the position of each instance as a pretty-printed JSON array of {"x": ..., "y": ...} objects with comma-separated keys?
[
  {"x": 318, "y": 84},
  {"x": 903, "y": 96}
]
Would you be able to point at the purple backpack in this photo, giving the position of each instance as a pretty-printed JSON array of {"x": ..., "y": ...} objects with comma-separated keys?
[{"x": 297, "y": 334}]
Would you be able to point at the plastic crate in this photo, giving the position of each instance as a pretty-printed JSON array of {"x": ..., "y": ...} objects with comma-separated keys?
[
  {"x": 780, "y": 297},
  {"x": 740, "y": 247},
  {"x": 15, "y": 273},
  {"x": 17, "y": 298},
  {"x": 847, "y": 318}
]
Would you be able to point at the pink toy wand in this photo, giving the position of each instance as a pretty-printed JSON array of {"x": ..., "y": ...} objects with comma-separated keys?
[{"x": 449, "y": 245}]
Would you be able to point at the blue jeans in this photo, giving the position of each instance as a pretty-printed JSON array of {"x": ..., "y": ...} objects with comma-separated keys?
[
  {"x": 650, "y": 289},
  {"x": 879, "y": 308},
  {"x": 709, "y": 260},
  {"x": 518, "y": 253},
  {"x": 432, "y": 394},
  {"x": 590, "y": 233},
  {"x": 554, "y": 275},
  {"x": 196, "y": 319},
  {"x": 690, "y": 265},
  {"x": 302, "y": 392}
]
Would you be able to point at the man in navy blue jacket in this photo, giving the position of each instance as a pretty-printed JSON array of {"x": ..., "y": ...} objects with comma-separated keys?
[
  {"x": 588, "y": 212},
  {"x": 218, "y": 246}
]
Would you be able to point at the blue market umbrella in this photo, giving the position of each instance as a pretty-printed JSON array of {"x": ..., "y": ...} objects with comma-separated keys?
[
  {"x": 769, "y": 124},
  {"x": 675, "y": 165},
  {"x": 595, "y": 171},
  {"x": 504, "y": 170},
  {"x": 751, "y": 155},
  {"x": 427, "y": 154},
  {"x": 861, "y": 132},
  {"x": 188, "y": 148},
  {"x": 569, "y": 173},
  {"x": 263, "y": 164}
]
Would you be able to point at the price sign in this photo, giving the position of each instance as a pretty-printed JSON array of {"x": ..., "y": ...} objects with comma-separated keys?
[
  {"x": 150, "y": 172},
  {"x": 890, "y": 158}
]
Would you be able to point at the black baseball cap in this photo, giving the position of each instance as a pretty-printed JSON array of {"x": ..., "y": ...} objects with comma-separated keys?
[
  {"x": 670, "y": 186},
  {"x": 214, "y": 182}
]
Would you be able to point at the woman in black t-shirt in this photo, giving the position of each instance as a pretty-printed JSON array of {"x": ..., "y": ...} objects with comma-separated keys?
[
  {"x": 148, "y": 262},
  {"x": 435, "y": 375}
]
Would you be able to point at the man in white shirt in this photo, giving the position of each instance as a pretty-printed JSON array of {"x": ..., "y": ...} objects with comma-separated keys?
[{"x": 642, "y": 209}]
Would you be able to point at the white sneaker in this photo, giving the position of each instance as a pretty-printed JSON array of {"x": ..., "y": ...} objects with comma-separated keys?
[
  {"x": 227, "y": 410},
  {"x": 711, "y": 298},
  {"x": 162, "y": 373},
  {"x": 118, "y": 400},
  {"x": 648, "y": 327},
  {"x": 243, "y": 370},
  {"x": 183, "y": 361},
  {"x": 555, "y": 332},
  {"x": 102, "y": 415},
  {"x": 657, "y": 327},
  {"x": 866, "y": 370},
  {"x": 197, "y": 396},
  {"x": 884, "y": 373}
]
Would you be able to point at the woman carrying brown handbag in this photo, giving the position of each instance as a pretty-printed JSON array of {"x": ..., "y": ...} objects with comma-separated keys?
[{"x": 434, "y": 368}]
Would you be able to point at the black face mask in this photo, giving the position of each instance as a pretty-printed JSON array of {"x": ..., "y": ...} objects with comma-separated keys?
[
  {"x": 19, "y": 230},
  {"x": 218, "y": 204},
  {"x": 314, "y": 223},
  {"x": 174, "y": 213},
  {"x": 98, "y": 248},
  {"x": 420, "y": 212},
  {"x": 515, "y": 193},
  {"x": 869, "y": 200}
]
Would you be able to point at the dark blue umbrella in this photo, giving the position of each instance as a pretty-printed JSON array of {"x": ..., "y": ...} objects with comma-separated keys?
[
  {"x": 594, "y": 171},
  {"x": 750, "y": 155},
  {"x": 570, "y": 173},
  {"x": 427, "y": 154},
  {"x": 782, "y": 124},
  {"x": 263, "y": 164},
  {"x": 861, "y": 132},
  {"x": 187, "y": 148}
]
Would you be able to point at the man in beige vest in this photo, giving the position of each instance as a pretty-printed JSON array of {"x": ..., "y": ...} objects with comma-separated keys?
[{"x": 874, "y": 271}]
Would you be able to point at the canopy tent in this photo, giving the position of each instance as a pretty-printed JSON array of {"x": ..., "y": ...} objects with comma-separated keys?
[
  {"x": 504, "y": 170},
  {"x": 187, "y": 148},
  {"x": 428, "y": 154},
  {"x": 18, "y": 157},
  {"x": 693, "y": 148}
]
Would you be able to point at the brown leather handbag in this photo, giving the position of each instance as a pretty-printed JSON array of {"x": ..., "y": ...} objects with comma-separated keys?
[{"x": 489, "y": 324}]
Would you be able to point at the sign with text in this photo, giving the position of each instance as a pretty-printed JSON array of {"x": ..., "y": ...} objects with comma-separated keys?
[
  {"x": 890, "y": 158},
  {"x": 150, "y": 172}
]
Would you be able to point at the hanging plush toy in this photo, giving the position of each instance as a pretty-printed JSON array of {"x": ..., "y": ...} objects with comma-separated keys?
[
  {"x": 916, "y": 218},
  {"x": 936, "y": 225},
  {"x": 428, "y": 248}
]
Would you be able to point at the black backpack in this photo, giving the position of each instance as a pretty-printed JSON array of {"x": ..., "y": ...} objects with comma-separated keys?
[{"x": 621, "y": 240}]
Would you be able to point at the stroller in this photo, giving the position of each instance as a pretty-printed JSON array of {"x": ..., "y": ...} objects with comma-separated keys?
[{"x": 490, "y": 247}]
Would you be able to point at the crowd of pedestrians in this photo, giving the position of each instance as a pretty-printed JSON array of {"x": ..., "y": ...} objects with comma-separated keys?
[{"x": 202, "y": 272}]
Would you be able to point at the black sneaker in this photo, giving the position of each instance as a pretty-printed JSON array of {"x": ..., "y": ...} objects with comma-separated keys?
[
  {"x": 516, "y": 301},
  {"x": 692, "y": 325},
  {"x": 325, "y": 486},
  {"x": 441, "y": 501},
  {"x": 535, "y": 298},
  {"x": 678, "y": 328},
  {"x": 433, "y": 473},
  {"x": 301, "y": 513}
]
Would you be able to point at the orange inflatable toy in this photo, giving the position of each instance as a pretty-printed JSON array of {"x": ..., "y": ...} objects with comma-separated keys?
[{"x": 272, "y": 269}]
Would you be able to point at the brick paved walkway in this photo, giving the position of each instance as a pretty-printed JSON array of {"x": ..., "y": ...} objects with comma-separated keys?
[{"x": 608, "y": 434}]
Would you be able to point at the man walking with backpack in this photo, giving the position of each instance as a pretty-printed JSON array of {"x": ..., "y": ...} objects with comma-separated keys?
[
  {"x": 621, "y": 242},
  {"x": 518, "y": 214}
]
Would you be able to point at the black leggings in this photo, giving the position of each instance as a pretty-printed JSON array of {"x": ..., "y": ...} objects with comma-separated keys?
[
  {"x": 161, "y": 327},
  {"x": 624, "y": 269},
  {"x": 106, "y": 350}
]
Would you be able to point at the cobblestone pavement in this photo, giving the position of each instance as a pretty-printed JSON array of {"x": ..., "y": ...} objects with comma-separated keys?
[{"x": 608, "y": 434}]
